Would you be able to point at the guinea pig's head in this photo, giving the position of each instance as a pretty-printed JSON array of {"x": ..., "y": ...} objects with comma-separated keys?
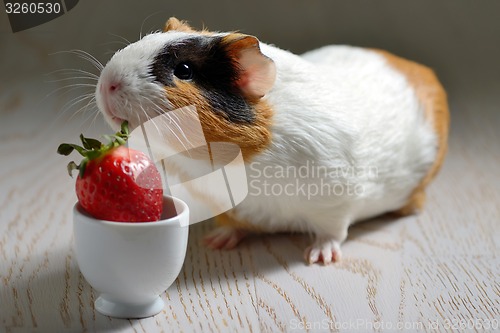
[{"x": 223, "y": 75}]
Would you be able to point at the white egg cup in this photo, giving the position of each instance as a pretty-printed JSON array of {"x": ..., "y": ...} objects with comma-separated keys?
[{"x": 131, "y": 264}]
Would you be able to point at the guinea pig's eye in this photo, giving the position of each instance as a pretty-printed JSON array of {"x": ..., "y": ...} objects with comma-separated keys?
[{"x": 183, "y": 71}]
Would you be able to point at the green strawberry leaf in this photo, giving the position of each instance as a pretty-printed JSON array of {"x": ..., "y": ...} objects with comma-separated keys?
[
  {"x": 92, "y": 148},
  {"x": 121, "y": 141},
  {"x": 67, "y": 148},
  {"x": 124, "y": 128},
  {"x": 89, "y": 143},
  {"x": 72, "y": 166}
]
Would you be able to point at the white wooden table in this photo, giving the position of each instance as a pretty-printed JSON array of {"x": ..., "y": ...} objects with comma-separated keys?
[{"x": 423, "y": 273}]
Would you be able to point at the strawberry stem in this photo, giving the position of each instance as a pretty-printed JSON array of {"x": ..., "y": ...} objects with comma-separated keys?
[{"x": 92, "y": 148}]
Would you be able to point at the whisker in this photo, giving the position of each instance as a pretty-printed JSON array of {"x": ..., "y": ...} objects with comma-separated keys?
[
  {"x": 73, "y": 87},
  {"x": 76, "y": 101},
  {"x": 92, "y": 101},
  {"x": 177, "y": 137},
  {"x": 86, "y": 107},
  {"x": 144, "y": 21},
  {"x": 82, "y": 83},
  {"x": 86, "y": 56},
  {"x": 115, "y": 42},
  {"x": 152, "y": 120},
  {"x": 156, "y": 109},
  {"x": 90, "y": 57},
  {"x": 69, "y": 88},
  {"x": 82, "y": 109},
  {"x": 63, "y": 111},
  {"x": 73, "y": 78},
  {"x": 176, "y": 124},
  {"x": 87, "y": 119},
  {"x": 136, "y": 114},
  {"x": 88, "y": 95},
  {"x": 163, "y": 117},
  {"x": 131, "y": 112},
  {"x": 148, "y": 118},
  {"x": 127, "y": 42},
  {"x": 97, "y": 114},
  {"x": 72, "y": 71}
]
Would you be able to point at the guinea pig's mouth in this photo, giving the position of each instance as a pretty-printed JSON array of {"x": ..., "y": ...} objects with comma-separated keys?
[
  {"x": 115, "y": 119},
  {"x": 109, "y": 111}
]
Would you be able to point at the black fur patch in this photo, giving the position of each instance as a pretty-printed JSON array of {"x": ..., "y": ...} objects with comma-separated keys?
[{"x": 214, "y": 74}]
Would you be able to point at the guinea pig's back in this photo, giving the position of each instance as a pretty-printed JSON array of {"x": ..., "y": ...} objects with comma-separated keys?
[
  {"x": 361, "y": 64},
  {"x": 389, "y": 77},
  {"x": 385, "y": 114}
]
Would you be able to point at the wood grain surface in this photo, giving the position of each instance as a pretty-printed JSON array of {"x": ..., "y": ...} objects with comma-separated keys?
[{"x": 432, "y": 272}]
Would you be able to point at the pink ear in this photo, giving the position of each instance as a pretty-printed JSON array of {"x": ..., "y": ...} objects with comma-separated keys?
[{"x": 257, "y": 72}]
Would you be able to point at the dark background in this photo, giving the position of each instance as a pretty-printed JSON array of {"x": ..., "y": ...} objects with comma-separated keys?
[{"x": 460, "y": 40}]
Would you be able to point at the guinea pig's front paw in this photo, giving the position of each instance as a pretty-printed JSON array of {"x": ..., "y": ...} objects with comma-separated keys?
[
  {"x": 325, "y": 250},
  {"x": 224, "y": 237}
]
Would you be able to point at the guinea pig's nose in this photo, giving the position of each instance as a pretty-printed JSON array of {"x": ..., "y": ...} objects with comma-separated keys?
[
  {"x": 110, "y": 87},
  {"x": 114, "y": 86}
]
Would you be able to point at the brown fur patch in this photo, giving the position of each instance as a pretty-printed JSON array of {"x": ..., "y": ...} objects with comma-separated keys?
[
  {"x": 177, "y": 25},
  {"x": 227, "y": 219},
  {"x": 251, "y": 138},
  {"x": 432, "y": 95}
]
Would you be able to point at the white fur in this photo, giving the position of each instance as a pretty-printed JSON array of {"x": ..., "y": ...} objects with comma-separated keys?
[{"x": 345, "y": 107}]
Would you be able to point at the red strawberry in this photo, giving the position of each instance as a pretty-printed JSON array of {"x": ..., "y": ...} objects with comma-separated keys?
[{"x": 116, "y": 183}]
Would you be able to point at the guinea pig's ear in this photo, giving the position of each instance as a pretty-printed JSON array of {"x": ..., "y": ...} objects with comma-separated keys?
[
  {"x": 257, "y": 72},
  {"x": 174, "y": 24}
]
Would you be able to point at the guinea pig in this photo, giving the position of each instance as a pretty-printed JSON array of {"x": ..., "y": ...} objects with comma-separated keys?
[{"x": 329, "y": 138}]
